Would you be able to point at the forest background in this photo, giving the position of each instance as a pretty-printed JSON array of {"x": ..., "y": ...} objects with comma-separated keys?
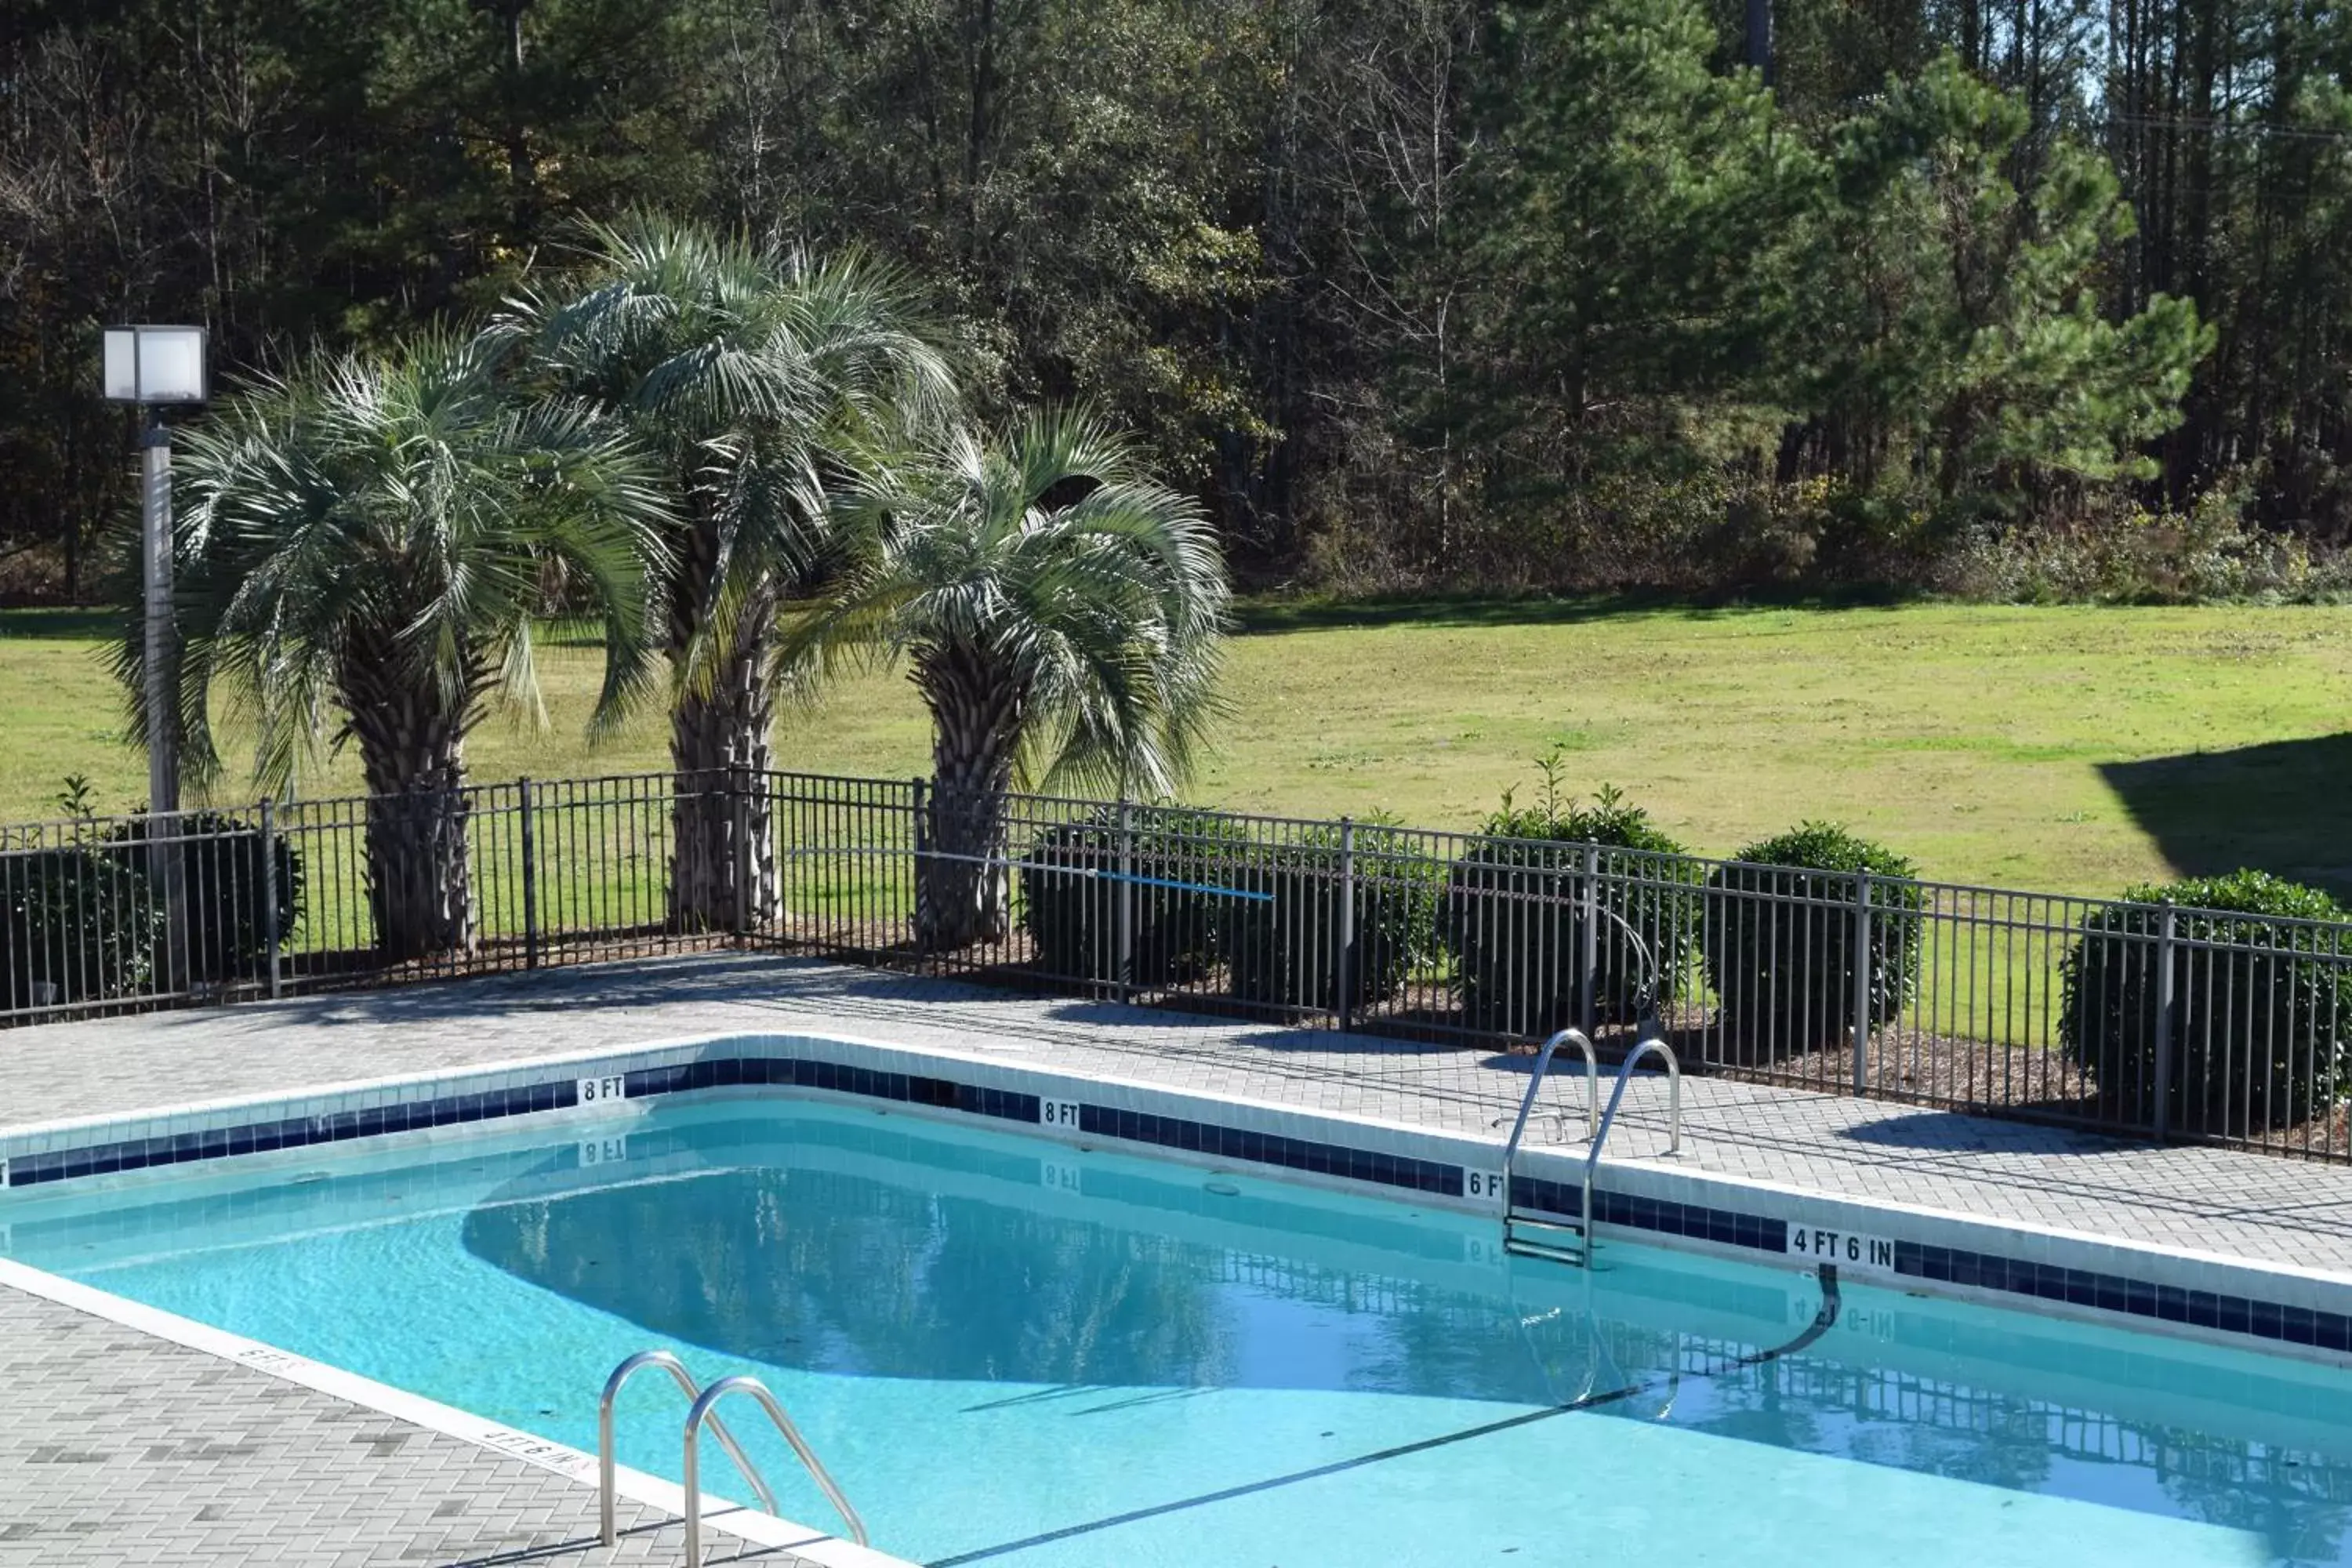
[{"x": 2024, "y": 300}]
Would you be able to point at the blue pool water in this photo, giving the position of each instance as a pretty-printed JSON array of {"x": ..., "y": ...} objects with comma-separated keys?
[{"x": 1015, "y": 1352}]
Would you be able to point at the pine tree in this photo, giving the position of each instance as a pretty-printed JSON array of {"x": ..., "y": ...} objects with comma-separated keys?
[{"x": 1951, "y": 333}]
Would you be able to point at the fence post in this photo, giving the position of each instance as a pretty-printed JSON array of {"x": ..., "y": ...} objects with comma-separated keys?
[
  {"x": 1126, "y": 899},
  {"x": 2164, "y": 938},
  {"x": 529, "y": 879},
  {"x": 1346, "y": 925},
  {"x": 167, "y": 834},
  {"x": 1862, "y": 966},
  {"x": 1587, "y": 1010},
  {"x": 921, "y": 787},
  {"x": 269, "y": 889},
  {"x": 739, "y": 802}
]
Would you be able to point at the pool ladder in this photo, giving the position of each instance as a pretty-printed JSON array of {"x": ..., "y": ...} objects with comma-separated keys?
[
  {"x": 703, "y": 1411},
  {"x": 1544, "y": 1235}
]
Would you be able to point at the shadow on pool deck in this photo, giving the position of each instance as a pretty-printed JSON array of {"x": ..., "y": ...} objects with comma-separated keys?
[
  {"x": 787, "y": 983},
  {"x": 1941, "y": 1132},
  {"x": 742, "y": 978}
]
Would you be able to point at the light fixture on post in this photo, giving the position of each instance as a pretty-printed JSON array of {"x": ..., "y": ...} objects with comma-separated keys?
[{"x": 156, "y": 367}]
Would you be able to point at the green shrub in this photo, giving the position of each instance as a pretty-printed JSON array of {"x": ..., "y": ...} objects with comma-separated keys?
[
  {"x": 1778, "y": 940},
  {"x": 2261, "y": 1036},
  {"x": 1071, "y": 890},
  {"x": 1515, "y": 915},
  {"x": 76, "y": 925},
  {"x": 1282, "y": 944},
  {"x": 221, "y": 876}
]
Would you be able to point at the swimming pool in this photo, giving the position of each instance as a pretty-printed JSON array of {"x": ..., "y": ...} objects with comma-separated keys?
[{"x": 1011, "y": 1350}]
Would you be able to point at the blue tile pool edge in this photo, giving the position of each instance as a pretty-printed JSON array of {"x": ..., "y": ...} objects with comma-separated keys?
[{"x": 2128, "y": 1283}]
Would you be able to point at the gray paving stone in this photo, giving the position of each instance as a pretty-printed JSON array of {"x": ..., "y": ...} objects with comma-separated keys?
[{"x": 132, "y": 1451}]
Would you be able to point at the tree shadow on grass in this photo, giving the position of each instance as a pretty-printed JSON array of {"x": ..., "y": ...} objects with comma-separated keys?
[
  {"x": 58, "y": 625},
  {"x": 2281, "y": 807}
]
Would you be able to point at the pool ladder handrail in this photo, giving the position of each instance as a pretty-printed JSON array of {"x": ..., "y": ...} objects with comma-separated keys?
[
  {"x": 606, "y": 1464},
  {"x": 698, "y": 1410},
  {"x": 1535, "y": 1083},
  {"x": 1582, "y": 1254},
  {"x": 703, "y": 1411}
]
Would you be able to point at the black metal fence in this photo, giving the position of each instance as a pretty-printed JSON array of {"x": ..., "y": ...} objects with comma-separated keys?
[{"x": 2162, "y": 1022}]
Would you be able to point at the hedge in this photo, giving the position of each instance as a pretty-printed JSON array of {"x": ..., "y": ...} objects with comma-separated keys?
[
  {"x": 76, "y": 925},
  {"x": 1778, "y": 940},
  {"x": 1514, "y": 917},
  {"x": 221, "y": 877},
  {"x": 2261, "y": 1034},
  {"x": 1282, "y": 939},
  {"x": 1071, "y": 890}
]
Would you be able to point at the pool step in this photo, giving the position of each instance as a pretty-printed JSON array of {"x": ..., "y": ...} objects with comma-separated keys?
[{"x": 1529, "y": 1236}]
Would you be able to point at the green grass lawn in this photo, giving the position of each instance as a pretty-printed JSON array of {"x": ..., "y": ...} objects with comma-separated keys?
[{"x": 2071, "y": 748}]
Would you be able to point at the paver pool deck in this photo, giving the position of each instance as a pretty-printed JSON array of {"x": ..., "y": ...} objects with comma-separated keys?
[{"x": 119, "y": 1448}]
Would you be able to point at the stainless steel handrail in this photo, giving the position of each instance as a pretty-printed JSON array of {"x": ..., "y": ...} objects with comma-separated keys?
[
  {"x": 687, "y": 1385},
  {"x": 1608, "y": 1118},
  {"x": 1535, "y": 1082},
  {"x": 791, "y": 1434}
]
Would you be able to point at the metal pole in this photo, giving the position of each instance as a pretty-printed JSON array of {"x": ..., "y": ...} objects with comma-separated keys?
[
  {"x": 155, "y": 517},
  {"x": 269, "y": 921},
  {"x": 2166, "y": 936},
  {"x": 1587, "y": 1008},
  {"x": 738, "y": 778},
  {"x": 922, "y": 843},
  {"x": 163, "y": 715},
  {"x": 1862, "y": 981},
  {"x": 530, "y": 877},
  {"x": 1127, "y": 898},
  {"x": 1345, "y": 925}
]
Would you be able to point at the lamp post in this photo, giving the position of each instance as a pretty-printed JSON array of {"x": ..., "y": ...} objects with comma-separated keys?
[{"x": 155, "y": 367}]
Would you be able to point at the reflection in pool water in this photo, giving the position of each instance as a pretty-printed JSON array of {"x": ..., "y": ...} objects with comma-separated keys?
[{"x": 1012, "y": 1351}]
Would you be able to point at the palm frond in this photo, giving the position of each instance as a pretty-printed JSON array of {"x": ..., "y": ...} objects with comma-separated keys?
[
  {"x": 389, "y": 521},
  {"x": 1095, "y": 597},
  {"x": 763, "y": 379}
]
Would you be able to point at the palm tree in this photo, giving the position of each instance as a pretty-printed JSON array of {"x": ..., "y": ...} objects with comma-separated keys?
[
  {"x": 755, "y": 374},
  {"x": 374, "y": 534},
  {"x": 1062, "y": 615}
]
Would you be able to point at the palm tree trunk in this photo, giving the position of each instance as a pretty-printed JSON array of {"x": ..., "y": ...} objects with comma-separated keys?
[
  {"x": 420, "y": 877},
  {"x": 722, "y": 851},
  {"x": 419, "y": 873},
  {"x": 961, "y": 892}
]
